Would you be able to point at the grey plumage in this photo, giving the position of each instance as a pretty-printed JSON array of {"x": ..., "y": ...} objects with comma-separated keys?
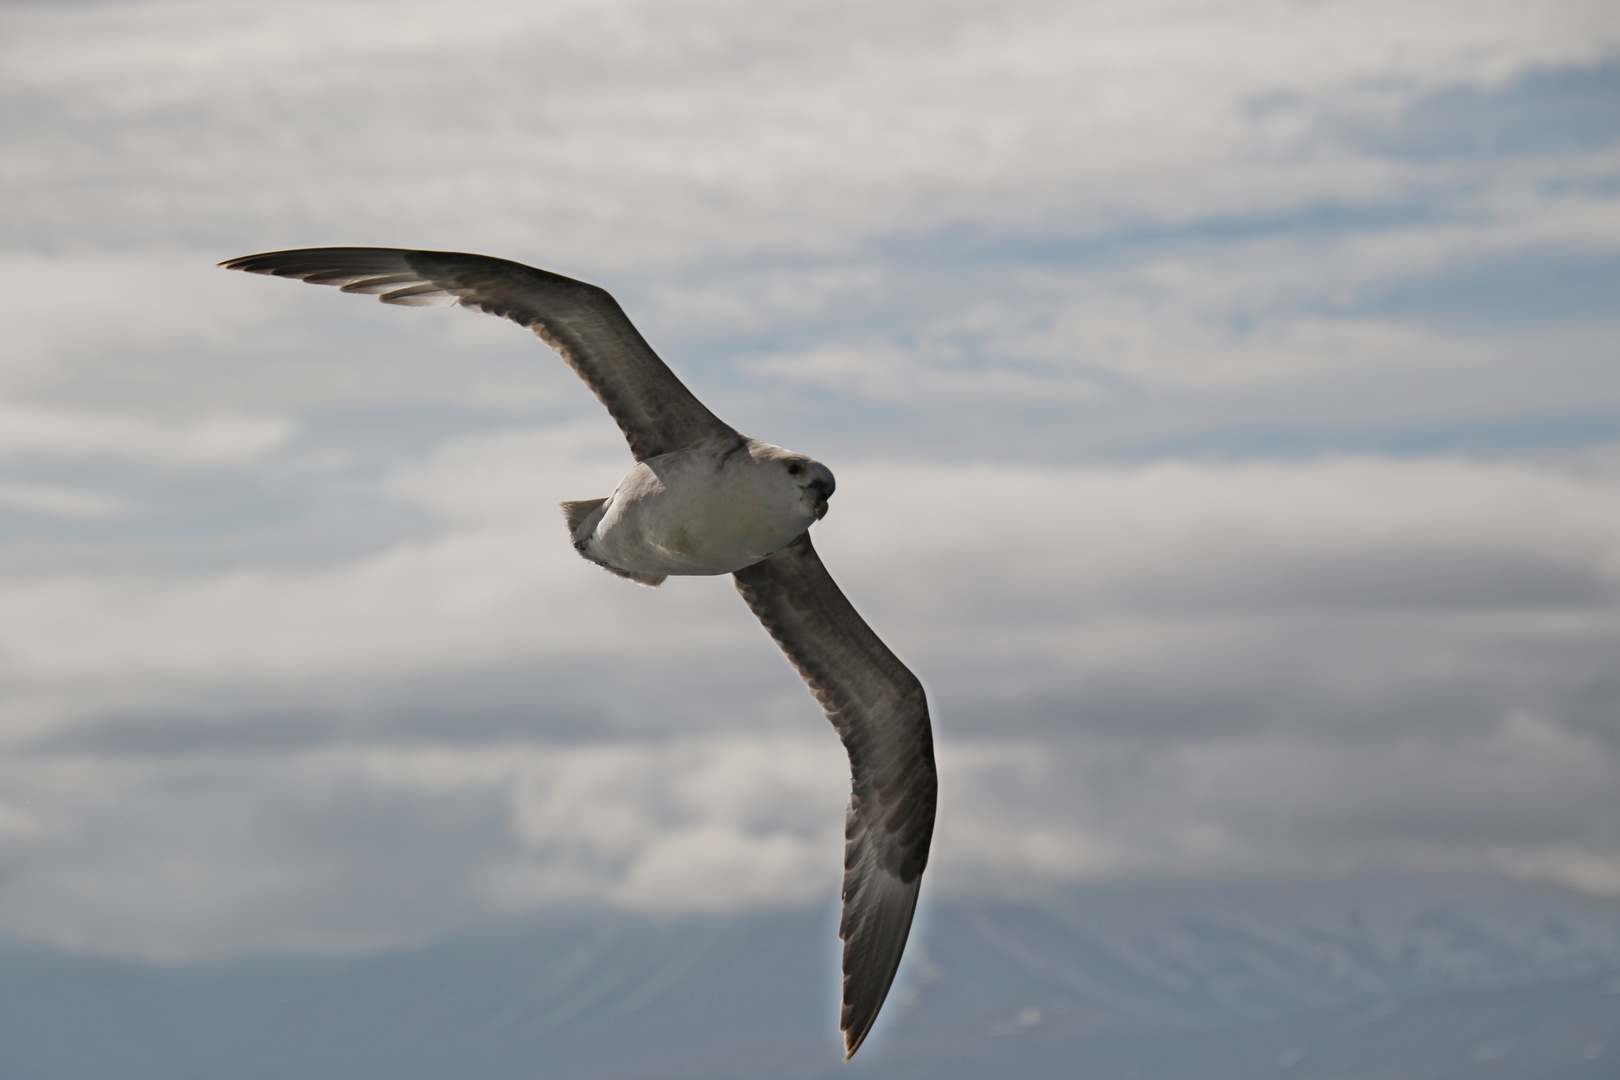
[
  {"x": 582, "y": 322},
  {"x": 671, "y": 514},
  {"x": 878, "y": 707}
]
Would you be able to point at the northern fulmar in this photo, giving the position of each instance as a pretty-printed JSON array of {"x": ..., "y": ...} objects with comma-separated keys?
[{"x": 703, "y": 499}]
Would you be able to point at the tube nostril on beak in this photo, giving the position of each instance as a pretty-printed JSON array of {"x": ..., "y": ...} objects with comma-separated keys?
[{"x": 818, "y": 488}]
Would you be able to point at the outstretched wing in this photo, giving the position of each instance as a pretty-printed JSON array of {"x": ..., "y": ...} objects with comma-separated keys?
[
  {"x": 880, "y": 712},
  {"x": 582, "y": 322}
]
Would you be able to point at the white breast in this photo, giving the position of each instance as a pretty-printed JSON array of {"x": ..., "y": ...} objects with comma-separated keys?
[{"x": 699, "y": 511}]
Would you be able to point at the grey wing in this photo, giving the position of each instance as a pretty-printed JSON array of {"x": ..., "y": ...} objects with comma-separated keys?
[
  {"x": 881, "y": 714},
  {"x": 582, "y": 322}
]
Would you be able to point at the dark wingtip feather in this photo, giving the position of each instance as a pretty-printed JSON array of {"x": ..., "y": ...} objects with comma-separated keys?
[
  {"x": 267, "y": 262},
  {"x": 853, "y": 1037},
  {"x": 316, "y": 264},
  {"x": 878, "y": 909}
]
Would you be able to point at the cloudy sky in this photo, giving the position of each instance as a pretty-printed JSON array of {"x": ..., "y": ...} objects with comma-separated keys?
[{"x": 1223, "y": 398}]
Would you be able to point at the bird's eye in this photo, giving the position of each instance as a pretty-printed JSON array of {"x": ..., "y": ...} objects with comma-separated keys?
[{"x": 794, "y": 469}]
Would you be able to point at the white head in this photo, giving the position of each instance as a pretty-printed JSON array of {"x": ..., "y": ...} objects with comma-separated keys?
[{"x": 810, "y": 480}]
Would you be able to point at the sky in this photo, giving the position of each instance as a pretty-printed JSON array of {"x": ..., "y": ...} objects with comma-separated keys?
[{"x": 1223, "y": 400}]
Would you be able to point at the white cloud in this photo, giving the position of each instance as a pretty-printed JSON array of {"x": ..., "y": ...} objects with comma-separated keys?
[
  {"x": 1301, "y": 668},
  {"x": 1523, "y": 796},
  {"x": 888, "y": 374},
  {"x": 712, "y": 826},
  {"x": 36, "y": 432},
  {"x": 1147, "y": 220},
  {"x": 355, "y": 846},
  {"x": 1203, "y": 544},
  {"x": 1201, "y": 319},
  {"x": 195, "y": 855},
  {"x": 168, "y": 349},
  {"x": 516, "y": 476},
  {"x": 56, "y": 501},
  {"x": 738, "y": 178},
  {"x": 717, "y": 128}
]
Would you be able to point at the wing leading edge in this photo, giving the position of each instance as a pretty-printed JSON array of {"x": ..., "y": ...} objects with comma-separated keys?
[
  {"x": 881, "y": 714},
  {"x": 582, "y": 322}
]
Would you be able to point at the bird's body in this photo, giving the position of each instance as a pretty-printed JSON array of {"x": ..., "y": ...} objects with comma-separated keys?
[
  {"x": 710, "y": 509},
  {"x": 702, "y": 499}
]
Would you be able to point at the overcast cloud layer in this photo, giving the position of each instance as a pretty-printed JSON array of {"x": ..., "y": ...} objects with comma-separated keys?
[{"x": 1222, "y": 398}]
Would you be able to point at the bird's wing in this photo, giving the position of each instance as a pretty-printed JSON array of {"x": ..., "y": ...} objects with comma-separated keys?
[
  {"x": 880, "y": 712},
  {"x": 582, "y": 322}
]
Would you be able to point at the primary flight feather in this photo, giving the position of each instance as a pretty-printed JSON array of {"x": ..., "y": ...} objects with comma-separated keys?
[{"x": 703, "y": 499}]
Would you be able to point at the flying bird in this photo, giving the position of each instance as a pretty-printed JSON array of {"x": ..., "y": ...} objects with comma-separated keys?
[{"x": 703, "y": 499}]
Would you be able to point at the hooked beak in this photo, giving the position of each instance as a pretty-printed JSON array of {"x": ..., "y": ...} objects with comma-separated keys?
[{"x": 816, "y": 494}]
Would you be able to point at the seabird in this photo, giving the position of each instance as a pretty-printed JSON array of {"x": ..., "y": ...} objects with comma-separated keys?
[{"x": 703, "y": 499}]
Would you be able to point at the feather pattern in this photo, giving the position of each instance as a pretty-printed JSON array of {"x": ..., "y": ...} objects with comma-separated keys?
[
  {"x": 582, "y": 322},
  {"x": 881, "y": 714}
]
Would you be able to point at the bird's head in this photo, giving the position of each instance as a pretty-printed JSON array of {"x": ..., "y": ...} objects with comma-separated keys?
[
  {"x": 815, "y": 481},
  {"x": 793, "y": 478},
  {"x": 807, "y": 478}
]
